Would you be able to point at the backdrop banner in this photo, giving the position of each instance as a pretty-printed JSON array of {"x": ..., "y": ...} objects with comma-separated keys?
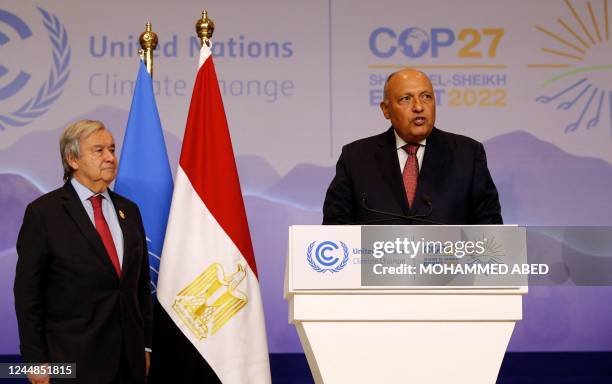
[{"x": 530, "y": 79}]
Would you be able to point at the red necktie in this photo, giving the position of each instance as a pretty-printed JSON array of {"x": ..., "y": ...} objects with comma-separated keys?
[
  {"x": 411, "y": 172},
  {"x": 104, "y": 232}
]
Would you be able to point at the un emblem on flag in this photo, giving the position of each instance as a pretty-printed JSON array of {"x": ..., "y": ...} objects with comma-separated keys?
[
  {"x": 327, "y": 256},
  {"x": 210, "y": 300}
]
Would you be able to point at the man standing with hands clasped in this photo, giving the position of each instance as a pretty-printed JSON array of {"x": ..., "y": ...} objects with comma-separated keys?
[
  {"x": 413, "y": 173},
  {"x": 82, "y": 292}
]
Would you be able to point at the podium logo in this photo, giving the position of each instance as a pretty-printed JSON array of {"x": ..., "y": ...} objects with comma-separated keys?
[
  {"x": 38, "y": 104},
  {"x": 327, "y": 256}
]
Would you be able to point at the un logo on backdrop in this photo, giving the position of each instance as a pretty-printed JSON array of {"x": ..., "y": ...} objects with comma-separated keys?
[
  {"x": 38, "y": 104},
  {"x": 327, "y": 256}
]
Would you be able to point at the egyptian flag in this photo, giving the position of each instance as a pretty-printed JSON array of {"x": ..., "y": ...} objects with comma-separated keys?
[{"x": 208, "y": 286}]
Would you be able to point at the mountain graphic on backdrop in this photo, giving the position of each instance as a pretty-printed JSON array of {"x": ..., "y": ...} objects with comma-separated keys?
[
  {"x": 36, "y": 154},
  {"x": 16, "y": 192},
  {"x": 541, "y": 184}
]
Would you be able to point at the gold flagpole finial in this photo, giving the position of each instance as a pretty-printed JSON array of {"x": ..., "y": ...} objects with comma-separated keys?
[
  {"x": 148, "y": 43},
  {"x": 205, "y": 28}
]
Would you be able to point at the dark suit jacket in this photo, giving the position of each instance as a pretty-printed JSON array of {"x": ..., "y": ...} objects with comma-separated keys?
[
  {"x": 71, "y": 306},
  {"x": 454, "y": 185}
]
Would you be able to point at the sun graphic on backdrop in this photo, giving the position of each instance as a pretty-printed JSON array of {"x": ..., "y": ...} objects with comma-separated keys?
[{"x": 581, "y": 50}]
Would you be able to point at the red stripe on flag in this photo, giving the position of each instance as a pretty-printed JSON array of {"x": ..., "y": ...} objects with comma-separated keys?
[{"x": 208, "y": 160}]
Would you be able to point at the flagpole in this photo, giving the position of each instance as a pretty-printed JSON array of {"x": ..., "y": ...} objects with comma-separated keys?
[
  {"x": 205, "y": 28},
  {"x": 148, "y": 43}
]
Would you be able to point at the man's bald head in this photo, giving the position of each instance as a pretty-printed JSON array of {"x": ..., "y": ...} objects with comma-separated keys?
[{"x": 406, "y": 72}]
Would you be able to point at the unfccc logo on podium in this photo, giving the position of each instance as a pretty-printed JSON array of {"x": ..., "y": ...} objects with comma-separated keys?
[{"x": 328, "y": 257}]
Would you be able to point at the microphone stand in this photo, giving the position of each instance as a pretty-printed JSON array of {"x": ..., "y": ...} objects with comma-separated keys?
[{"x": 422, "y": 218}]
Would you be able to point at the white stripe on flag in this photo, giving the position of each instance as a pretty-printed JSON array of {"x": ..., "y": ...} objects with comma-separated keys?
[{"x": 194, "y": 240}]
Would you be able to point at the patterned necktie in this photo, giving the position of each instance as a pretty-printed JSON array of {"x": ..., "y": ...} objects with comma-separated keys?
[
  {"x": 411, "y": 172},
  {"x": 104, "y": 232}
]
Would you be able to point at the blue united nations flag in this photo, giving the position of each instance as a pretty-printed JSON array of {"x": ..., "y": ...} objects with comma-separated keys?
[{"x": 144, "y": 174}]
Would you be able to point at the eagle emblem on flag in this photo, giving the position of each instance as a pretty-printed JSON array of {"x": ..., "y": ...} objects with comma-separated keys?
[{"x": 210, "y": 300}]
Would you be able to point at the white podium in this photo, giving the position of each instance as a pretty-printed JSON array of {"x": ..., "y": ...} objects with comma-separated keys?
[{"x": 356, "y": 334}]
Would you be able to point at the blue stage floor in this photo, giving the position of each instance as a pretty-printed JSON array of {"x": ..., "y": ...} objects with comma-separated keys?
[{"x": 517, "y": 368}]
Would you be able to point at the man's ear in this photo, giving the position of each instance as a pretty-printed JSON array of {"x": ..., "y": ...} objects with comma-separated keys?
[
  {"x": 385, "y": 109},
  {"x": 72, "y": 162}
]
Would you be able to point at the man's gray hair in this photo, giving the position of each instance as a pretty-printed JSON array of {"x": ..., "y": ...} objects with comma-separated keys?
[{"x": 70, "y": 141}]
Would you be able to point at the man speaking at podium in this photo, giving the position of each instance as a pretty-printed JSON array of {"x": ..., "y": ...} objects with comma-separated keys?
[
  {"x": 413, "y": 173},
  {"x": 82, "y": 282}
]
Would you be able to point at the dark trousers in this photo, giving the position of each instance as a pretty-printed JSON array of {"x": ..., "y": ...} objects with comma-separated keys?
[{"x": 124, "y": 375}]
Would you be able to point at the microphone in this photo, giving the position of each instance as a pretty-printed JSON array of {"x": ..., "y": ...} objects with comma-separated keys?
[{"x": 421, "y": 218}]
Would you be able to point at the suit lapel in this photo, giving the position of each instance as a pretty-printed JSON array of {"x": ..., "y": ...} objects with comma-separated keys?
[
  {"x": 75, "y": 209},
  {"x": 436, "y": 164},
  {"x": 388, "y": 165}
]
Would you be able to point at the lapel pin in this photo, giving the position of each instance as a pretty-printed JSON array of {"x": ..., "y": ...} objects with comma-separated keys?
[{"x": 121, "y": 214}]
